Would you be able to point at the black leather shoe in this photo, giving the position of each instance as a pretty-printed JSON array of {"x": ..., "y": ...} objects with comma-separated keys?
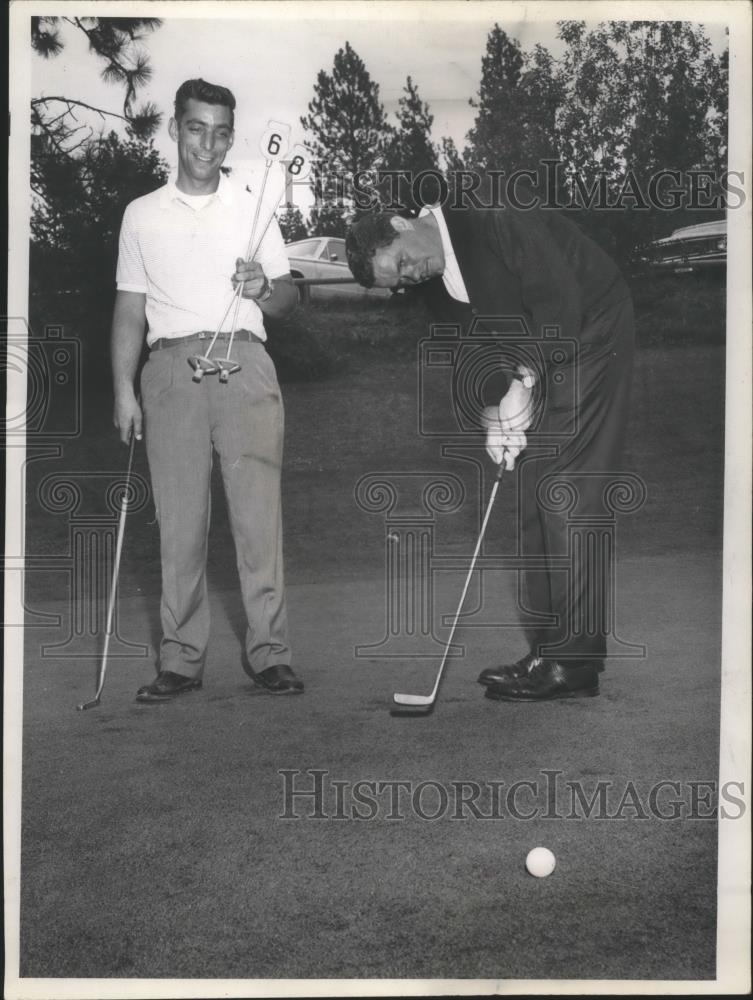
[
  {"x": 498, "y": 675},
  {"x": 547, "y": 680},
  {"x": 167, "y": 685},
  {"x": 521, "y": 668},
  {"x": 279, "y": 679}
]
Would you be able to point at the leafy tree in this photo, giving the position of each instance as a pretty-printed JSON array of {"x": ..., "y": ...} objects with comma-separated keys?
[
  {"x": 328, "y": 219},
  {"x": 717, "y": 120},
  {"x": 542, "y": 92},
  {"x": 348, "y": 133},
  {"x": 82, "y": 181},
  {"x": 292, "y": 225},
  {"x": 78, "y": 208},
  {"x": 640, "y": 97}
]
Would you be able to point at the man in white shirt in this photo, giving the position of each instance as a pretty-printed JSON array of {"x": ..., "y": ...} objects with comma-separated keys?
[{"x": 181, "y": 256}]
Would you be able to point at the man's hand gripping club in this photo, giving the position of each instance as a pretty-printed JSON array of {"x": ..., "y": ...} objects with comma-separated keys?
[{"x": 507, "y": 423}]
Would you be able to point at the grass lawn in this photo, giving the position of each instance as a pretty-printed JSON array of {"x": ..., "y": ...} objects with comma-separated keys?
[{"x": 153, "y": 843}]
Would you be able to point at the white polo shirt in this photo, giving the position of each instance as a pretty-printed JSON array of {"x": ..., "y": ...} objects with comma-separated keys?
[{"x": 183, "y": 258}]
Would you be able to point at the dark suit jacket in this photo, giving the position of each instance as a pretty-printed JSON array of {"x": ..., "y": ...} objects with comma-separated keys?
[{"x": 535, "y": 264}]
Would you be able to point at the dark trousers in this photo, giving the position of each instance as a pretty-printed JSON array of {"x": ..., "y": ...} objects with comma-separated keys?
[{"x": 566, "y": 475}]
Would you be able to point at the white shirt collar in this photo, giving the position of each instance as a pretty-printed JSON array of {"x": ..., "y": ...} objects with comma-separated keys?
[
  {"x": 452, "y": 277},
  {"x": 170, "y": 192}
]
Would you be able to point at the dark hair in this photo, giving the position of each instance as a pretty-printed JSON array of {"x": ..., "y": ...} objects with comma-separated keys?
[
  {"x": 368, "y": 234},
  {"x": 208, "y": 93}
]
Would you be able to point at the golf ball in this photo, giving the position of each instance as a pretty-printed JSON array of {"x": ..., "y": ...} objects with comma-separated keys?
[{"x": 540, "y": 862}]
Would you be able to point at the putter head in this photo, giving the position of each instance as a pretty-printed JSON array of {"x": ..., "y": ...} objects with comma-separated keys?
[
  {"x": 201, "y": 366},
  {"x": 402, "y": 712},
  {"x": 414, "y": 700},
  {"x": 88, "y": 704},
  {"x": 228, "y": 367}
]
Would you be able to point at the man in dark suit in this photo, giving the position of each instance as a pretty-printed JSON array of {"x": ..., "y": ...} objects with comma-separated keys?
[{"x": 532, "y": 270}]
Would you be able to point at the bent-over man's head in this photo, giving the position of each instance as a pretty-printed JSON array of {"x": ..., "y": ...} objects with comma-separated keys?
[{"x": 387, "y": 251}]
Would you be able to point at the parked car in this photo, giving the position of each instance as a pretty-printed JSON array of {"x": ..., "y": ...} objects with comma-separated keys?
[
  {"x": 322, "y": 259},
  {"x": 688, "y": 250}
]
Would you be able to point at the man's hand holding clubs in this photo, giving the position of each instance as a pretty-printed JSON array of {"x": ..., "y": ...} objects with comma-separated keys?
[{"x": 255, "y": 282}]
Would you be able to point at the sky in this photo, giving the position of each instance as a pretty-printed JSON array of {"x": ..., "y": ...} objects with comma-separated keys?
[{"x": 269, "y": 54}]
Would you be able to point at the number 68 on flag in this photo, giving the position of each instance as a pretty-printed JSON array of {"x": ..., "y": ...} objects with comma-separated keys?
[{"x": 275, "y": 148}]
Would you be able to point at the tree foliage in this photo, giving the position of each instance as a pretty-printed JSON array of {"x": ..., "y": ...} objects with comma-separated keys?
[
  {"x": 347, "y": 131},
  {"x": 625, "y": 101},
  {"x": 82, "y": 180},
  {"x": 411, "y": 147},
  {"x": 78, "y": 208},
  {"x": 291, "y": 224},
  {"x": 411, "y": 153},
  {"x": 639, "y": 98},
  {"x": 516, "y": 106},
  {"x": 115, "y": 41},
  {"x": 328, "y": 218}
]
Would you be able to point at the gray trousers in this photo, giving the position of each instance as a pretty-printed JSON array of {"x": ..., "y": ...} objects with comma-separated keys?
[{"x": 243, "y": 422}]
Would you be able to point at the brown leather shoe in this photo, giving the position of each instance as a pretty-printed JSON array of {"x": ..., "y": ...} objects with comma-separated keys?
[
  {"x": 167, "y": 685},
  {"x": 548, "y": 680},
  {"x": 278, "y": 679}
]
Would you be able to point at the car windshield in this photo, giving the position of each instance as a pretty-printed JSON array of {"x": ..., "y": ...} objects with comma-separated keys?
[
  {"x": 334, "y": 250},
  {"x": 308, "y": 248}
]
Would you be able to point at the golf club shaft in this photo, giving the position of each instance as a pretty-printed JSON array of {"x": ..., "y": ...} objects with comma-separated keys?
[
  {"x": 238, "y": 291},
  {"x": 249, "y": 254},
  {"x": 115, "y": 574},
  {"x": 428, "y": 700}
]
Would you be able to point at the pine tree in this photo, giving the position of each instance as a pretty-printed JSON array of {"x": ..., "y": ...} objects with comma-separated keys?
[
  {"x": 452, "y": 161},
  {"x": 411, "y": 148},
  {"x": 292, "y": 225},
  {"x": 115, "y": 40},
  {"x": 411, "y": 153},
  {"x": 498, "y": 133},
  {"x": 81, "y": 181},
  {"x": 347, "y": 133}
]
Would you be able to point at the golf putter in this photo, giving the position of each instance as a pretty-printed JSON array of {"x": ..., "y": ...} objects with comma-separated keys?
[
  {"x": 113, "y": 586},
  {"x": 422, "y": 704}
]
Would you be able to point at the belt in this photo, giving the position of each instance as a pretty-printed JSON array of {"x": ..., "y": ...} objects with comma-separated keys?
[{"x": 240, "y": 335}]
